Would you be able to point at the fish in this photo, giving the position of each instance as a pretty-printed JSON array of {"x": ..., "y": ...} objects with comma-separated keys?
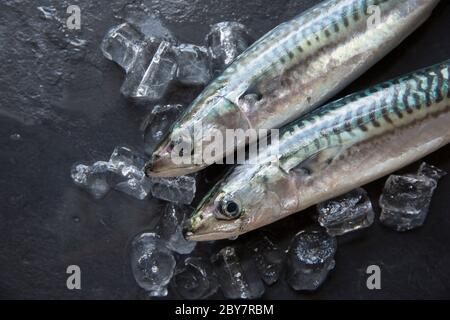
[
  {"x": 332, "y": 150},
  {"x": 293, "y": 69}
]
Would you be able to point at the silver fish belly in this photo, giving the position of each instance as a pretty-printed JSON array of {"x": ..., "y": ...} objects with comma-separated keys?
[{"x": 338, "y": 147}]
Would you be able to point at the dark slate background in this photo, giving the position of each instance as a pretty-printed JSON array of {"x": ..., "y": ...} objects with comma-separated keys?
[{"x": 64, "y": 101}]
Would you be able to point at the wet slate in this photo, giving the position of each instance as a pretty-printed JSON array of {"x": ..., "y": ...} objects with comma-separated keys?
[{"x": 62, "y": 97}]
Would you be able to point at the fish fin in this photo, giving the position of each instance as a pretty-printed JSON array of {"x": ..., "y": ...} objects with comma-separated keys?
[
  {"x": 260, "y": 87},
  {"x": 318, "y": 161},
  {"x": 252, "y": 91}
]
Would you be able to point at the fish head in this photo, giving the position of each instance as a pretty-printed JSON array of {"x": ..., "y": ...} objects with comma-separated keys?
[
  {"x": 187, "y": 147},
  {"x": 243, "y": 201},
  {"x": 172, "y": 156}
]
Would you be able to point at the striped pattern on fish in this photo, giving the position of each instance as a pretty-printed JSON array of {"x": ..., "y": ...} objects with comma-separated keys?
[
  {"x": 291, "y": 70},
  {"x": 340, "y": 146},
  {"x": 371, "y": 112},
  {"x": 279, "y": 68}
]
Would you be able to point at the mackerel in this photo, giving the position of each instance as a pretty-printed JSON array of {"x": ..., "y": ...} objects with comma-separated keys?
[
  {"x": 291, "y": 70},
  {"x": 332, "y": 150}
]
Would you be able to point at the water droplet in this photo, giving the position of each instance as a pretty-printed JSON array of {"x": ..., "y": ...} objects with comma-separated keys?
[{"x": 15, "y": 137}]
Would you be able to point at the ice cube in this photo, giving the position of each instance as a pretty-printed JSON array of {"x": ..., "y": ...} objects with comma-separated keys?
[
  {"x": 94, "y": 181},
  {"x": 310, "y": 259},
  {"x": 129, "y": 168},
  {"x": 152, "y": 264},
  {"x": 268, "y": 259},
  {"x": 194, "y": 279},
  {"x": 79, "y": 174},
  {"x": 170, "y": 228},
  {"x": 177, "y": 189},
  {"x": 237, "y": 281},
  {"x": 150, "y": 82},
  {"x": 157, "y": 123},
  {"x": 124, "y": 171},
  {"x": 226, "y": 41},
  {"x": 137, "y": 188},
  {"x": 137, "y": 69},
  {"x": 193, "y": 65},
  {"x": 123, "y": 44},
  {"x": 130, "y": 178},
  {"x": 141, "y": 18},
  {"x": 103, "y": 167},
  {"x": 126, "y": 157},
  {"x": 349, "y": 212},
  {"x": 431, "y": 171},
  {"x": 405, "y": 201}
]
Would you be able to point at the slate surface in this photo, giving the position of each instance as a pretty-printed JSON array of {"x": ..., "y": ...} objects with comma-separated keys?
[{"x": 62, "y": 97}]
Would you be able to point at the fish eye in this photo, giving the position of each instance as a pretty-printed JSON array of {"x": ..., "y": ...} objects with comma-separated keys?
[{"x": 230, "y": 209}]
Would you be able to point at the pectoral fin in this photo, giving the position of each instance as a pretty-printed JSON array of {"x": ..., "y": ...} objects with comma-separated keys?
[{"x": 318, "y": 161}]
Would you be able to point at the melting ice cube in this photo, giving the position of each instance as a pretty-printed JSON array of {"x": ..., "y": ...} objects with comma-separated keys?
[
  {"x": 237, "y": 281},
  {"x": 431, "y": 171},
  {"x": 226, "y": 41},
  {"x": 268, "y": 259},
  {"x": 171, "y": 228},
  {"x": 349, "y": 212},
  {"x": 123, "y": 44},
  {"x": 194, "y": 279},
  {"x": 157, "y": 77},
  {"x": 130, "y": 179},
  {"x": 123, "y": 157},
  {"x": 94, "y": 181},
  {"x": 141, "y": 18},
  {"x": 193, "y": 65},
  {"x": 157, "y": 124},
  {"x": 177, "y": 189},
  {"x": 310, "y": 259},
  {"x": 137, "y": 188},
  {"x": 137, "y": 69},
  {"x": 405, "y": 201},
  {"x": 124, "y": 172},
  {"x": 149, "y": 63},
  {"x": 152, "y": 264}
]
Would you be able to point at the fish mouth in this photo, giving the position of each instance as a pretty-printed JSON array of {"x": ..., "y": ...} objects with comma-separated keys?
[
  {"x": 161, "y": 165},
  {"x": 204, "y": 226},
  {"x": 207, "y": 235},
  {"x": 212, "y": 236}
]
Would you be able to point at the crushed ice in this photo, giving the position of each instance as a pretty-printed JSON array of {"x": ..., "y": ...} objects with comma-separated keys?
[{"x": 154, "y": 61}]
